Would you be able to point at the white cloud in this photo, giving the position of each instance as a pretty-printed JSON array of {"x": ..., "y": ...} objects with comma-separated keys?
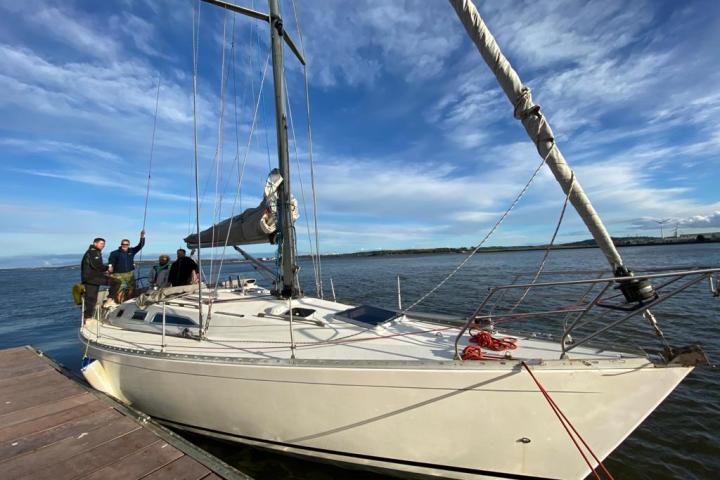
[
  {"x": 69, "y": 28},
  {"x": 701, "y": 221},
  {"x": 357, "y": 42}
]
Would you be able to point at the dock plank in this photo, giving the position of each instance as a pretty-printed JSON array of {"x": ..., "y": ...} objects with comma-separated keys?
[
  {"x": 46, "y": 422},
  {"x": 53, "y": 427},
  {"x": 24, "y": 464},
  {"x": 29, "y": 413},
  {"x": 11, "y": 372},
  {"x": 16, "y": 356},
  {"x": 37, "y": 376},
  {"x": 184, "y": 468},
  {"x": 37, "y": 395},
  {"x": 44, "y": 438},
  {"x": 99, "y": 457},
  {"x": 139, "y": 464}
]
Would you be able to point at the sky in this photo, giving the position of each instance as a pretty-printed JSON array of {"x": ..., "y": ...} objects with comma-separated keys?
[{"x": 413, "y": 143}]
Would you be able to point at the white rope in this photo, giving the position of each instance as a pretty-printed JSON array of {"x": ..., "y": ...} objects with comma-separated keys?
[
  {"x": 310, "y": 151},
  {"x": 541, "y": 267},
  {"x": 489, "y": 234}
]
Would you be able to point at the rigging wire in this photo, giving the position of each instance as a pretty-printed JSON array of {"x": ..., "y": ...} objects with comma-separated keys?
[
  {"x": 541, "y": 267},
  {"x": 302, "y": 190},
  {"x": 488, "y": 235},
  {"x": 241, "y": 170},
  {"x": 217, "y": 161},
  {"x": 195, "y": 59},
  {"x": 263, "y": 104},
  {"x": 196, "y": 35},
  {"x": 152, "y": 151},
  {"x": 310, "y": 150}
]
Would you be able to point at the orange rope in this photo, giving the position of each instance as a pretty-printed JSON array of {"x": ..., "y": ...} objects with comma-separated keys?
[{"x": 566, "y": 423}]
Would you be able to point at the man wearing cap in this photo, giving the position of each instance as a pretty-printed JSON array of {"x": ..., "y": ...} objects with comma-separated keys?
[{"x": 123, "y": 263}]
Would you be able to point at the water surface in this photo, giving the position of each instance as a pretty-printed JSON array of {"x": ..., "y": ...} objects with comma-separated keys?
[{"x": 679, "y": 440}]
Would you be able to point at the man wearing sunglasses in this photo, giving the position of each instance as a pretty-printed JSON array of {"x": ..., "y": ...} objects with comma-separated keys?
[{"x": 122, "y": 262}]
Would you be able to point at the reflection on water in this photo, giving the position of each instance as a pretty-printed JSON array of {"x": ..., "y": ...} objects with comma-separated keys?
[{"x": 679, "y": 440}]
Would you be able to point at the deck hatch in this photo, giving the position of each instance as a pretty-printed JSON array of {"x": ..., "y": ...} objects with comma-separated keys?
[{"x": 367, "y": 314}]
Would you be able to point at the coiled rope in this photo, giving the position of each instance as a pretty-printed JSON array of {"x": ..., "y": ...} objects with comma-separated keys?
[{"x": 484, "y": 339}]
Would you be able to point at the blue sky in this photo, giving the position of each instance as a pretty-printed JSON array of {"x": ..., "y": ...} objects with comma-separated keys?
[{"x": 414, "y": 143}]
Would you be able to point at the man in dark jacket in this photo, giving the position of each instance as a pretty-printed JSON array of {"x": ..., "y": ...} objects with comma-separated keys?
[
  {"x": 183, "y": 271},
  {"x": 93, "y": 273},
  {"x": 123, "y": 263}
]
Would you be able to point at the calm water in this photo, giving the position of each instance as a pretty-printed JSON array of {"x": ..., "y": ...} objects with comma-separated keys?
[{"x": 681, "y": 439}]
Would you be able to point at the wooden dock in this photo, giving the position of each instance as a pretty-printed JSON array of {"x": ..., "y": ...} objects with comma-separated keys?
[{"x": 54, "y": 427}]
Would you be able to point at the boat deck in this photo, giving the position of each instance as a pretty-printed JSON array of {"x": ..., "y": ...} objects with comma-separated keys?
[
  {"x": 52, "y": 427},
  {"x": 253, "y": 326}
]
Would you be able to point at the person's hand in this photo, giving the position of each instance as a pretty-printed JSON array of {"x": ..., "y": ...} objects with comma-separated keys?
[
  {"x": 110, "y": 269},
  {"x": 142, "y": 233}
]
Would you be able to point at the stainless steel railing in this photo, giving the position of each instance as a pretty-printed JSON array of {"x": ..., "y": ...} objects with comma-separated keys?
[{"x": 488, "y": 313}]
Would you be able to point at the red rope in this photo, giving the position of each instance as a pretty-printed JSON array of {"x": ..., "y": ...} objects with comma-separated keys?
[
  {"x": 566, "y": 423},
  {"x": 485, "y": 339}
]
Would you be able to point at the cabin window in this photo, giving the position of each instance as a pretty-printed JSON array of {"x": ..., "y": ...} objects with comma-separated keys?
[
  {"x": 120, "y": 313},
  {"x": 172, "y": 319},
  {"x": 367, "y": 314},
  {"x": 139, "y": 315}
]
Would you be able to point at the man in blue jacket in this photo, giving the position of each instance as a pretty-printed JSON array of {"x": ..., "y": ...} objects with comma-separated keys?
[{"x": 123, "y": 263}]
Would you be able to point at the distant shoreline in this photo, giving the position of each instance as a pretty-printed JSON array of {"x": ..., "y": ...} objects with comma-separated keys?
[
  {"x": 700, "y": 239},
  {"x": 619, "y": 242}
]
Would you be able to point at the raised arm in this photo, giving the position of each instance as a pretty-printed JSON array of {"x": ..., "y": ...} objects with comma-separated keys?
[{"x": 141, "y": 244}]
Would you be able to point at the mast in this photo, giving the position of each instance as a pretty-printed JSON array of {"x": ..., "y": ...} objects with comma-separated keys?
[
  {"x": 288, "y": 285},
  {"x": 536, "y": 126},
  {"x": 289, "y": 288}
]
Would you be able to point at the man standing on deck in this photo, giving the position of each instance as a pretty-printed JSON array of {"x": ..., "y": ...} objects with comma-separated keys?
[
  {"x": 123, "y": 263},
  {"x": 93, "y": 273},
  {"x": 184, "y": 270}
]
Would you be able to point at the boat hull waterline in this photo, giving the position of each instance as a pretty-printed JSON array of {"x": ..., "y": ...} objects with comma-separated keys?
[{"x": 483, "y": 420}]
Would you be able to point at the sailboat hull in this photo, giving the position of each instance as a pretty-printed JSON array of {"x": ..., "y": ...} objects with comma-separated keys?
[{"x": 471, "y": 420}]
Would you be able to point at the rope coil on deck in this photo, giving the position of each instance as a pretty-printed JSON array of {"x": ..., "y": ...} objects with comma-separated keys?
[{"x": 484, "y": 339}]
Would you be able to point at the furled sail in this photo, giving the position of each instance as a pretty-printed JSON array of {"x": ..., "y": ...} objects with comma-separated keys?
[
  {"x": 254, "y": 225},
  {"x": 536, "y": 125}
]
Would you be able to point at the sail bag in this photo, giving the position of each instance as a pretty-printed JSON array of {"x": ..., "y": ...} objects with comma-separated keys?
[{"x": 254, "y": 225}]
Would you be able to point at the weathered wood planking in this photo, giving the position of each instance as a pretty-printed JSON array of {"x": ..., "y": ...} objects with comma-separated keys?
[{"x": 52, "y": 427}]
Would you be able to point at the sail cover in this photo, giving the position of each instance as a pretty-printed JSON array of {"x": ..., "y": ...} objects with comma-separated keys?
[{"x": 254, "y": 225}]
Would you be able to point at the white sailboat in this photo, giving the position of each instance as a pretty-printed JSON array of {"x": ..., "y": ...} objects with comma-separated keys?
[{"x": 396, "y": 390}]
